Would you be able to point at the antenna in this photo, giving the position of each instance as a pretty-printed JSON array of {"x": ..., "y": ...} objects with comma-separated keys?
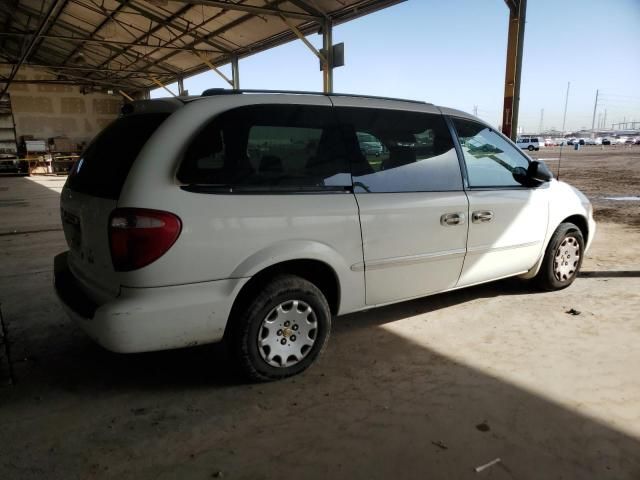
[{"x": 564, "y": 120}]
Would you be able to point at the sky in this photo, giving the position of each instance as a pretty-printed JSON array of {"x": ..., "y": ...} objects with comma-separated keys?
[{"x": 453, "y": 54}]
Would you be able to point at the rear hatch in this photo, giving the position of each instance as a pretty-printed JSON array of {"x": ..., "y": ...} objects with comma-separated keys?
[{"x": 91, "y": 193}]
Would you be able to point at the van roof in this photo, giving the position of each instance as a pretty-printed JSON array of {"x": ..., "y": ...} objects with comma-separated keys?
[
  {"x": 173, "y": 103},
  {"x": 224, "y": 91}
]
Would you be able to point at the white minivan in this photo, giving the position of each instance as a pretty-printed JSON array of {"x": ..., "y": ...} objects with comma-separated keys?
[
  {"x": 529, "y": 143},
  {"x": 255, "y": 218}
]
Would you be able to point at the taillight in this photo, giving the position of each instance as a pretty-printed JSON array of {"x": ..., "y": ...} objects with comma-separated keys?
[{"x": 138, "y": 236}]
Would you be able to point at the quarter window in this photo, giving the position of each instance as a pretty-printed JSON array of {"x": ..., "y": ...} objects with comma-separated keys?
[
  {"x": 490, "y": 159},
  {"x": 396, "y": 151},
  {"x": 269, "y": 147}
]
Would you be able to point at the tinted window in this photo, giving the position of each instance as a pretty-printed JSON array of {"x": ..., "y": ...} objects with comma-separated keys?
[
  {"x": 395, "y": 151},
  {"x": 103, "y": 167},
  {"x": 268, "y": 147},
  {"x": 490, "y": 159}
]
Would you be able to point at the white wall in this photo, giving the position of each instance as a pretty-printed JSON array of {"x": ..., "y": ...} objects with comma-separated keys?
[{"x": 45, "y": 110}]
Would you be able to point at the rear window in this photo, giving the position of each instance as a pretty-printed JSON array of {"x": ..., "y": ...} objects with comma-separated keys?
[
  {"x": 268, "y": 148},
  {"x": 103, "y": 167}
]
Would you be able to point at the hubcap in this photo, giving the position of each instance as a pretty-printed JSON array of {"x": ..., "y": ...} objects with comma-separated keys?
[
  {"x": 287, "y": 333},
  {"x": 567, "y": 257}
]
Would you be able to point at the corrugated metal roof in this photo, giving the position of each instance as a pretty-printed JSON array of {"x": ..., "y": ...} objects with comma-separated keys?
[{"x": 124, "y": 43}]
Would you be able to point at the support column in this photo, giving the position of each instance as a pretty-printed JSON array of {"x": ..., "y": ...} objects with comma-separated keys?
[
  {"x": 515, "y": 44},
  {"x": 327, "y": 46},
  {"x": 235, "y": 73},
  {"x": 180, "y": 86}
]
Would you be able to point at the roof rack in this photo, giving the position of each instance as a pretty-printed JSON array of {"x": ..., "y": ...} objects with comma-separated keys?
[{"x": 212, "y": 92}]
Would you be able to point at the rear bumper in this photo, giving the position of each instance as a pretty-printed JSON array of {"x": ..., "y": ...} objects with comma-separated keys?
[{"x": 148, "y": 319}]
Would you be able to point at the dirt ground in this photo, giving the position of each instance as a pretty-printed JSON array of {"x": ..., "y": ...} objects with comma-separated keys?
[
  {"x": 601, "y": 172},
  {"x": 430, "y": 388}
]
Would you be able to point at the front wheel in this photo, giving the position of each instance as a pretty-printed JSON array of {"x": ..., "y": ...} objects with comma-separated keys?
[
  {"x": 562, "y": 259},
  {"x": 531, "y": 148},
  {"x": 282, "y": 330}
]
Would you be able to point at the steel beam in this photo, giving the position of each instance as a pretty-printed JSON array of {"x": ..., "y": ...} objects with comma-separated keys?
[
  {"x": 253, "y": 9},
  {"x": 304, "y": 40},
  {"x": 53, "y": 10},
  {"x": 87, "y": 69},
  {"x": 515, "y": 44},
  {"x": 215, "y": 69},
  {"x": 80, "y": 31},
  {"x": 217, "y": 32},
  {"x": 169, "y": 23},
  {"x": 67, "y": 38},
  {"x": 95, "y": 31},
  {"x": 310, "y": 6}
]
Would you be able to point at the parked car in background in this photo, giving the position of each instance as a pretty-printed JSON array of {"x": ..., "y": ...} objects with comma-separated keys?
[
  {"x": 255, "y": 219},
  {"x": 637, "y": 141},
  {"x": 590, "y": 141},
  {"x": 10, "y": 164},
  {"x": 369, "y": 145},
  {"x": 529, "y": 143},
  {"x": 548, "y": 142},
  {"x": 609, "y": 141},
  {"x": 598, "y": 141},
  {"x": 559, "y": 141}
]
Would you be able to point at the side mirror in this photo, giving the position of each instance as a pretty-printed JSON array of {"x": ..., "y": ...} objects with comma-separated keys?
[
  {"x": 539, "y": 172},
  {"x": 536, "y": 174}
]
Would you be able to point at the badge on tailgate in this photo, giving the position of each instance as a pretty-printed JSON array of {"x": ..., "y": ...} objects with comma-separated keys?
[{"x": 75, "y": 231}]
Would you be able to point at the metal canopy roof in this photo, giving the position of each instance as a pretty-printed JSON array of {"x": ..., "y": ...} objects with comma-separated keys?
[{"x": 127, "y": 43}]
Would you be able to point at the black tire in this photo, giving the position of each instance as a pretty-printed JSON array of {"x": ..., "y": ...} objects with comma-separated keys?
[
  {"x": 247, "y": 327},
  {"x": 530, "y": 148},
  {"x": 547, "y": 279}
]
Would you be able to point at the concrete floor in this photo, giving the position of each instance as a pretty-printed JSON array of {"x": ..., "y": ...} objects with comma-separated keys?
[{"x": 425, "y": 389}]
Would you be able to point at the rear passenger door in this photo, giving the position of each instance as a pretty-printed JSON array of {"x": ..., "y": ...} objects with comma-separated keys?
[
  {"x": 413, "y": 210},
  {"x": 265, "y": 184}
]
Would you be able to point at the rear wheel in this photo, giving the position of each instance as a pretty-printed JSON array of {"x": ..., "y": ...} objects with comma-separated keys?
[
  {"x": 282, "y": 330},
  {"x": 562, "y": 259},
  {"x": 530, "y": 148}
]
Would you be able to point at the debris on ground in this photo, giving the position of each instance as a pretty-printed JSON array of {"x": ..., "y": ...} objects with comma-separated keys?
[
  {"x": 483, "y": 427},
  {"x": 440, "y": 443},
  {"x": 573, "y": 311},
  {"x": 487, "y": 465}
]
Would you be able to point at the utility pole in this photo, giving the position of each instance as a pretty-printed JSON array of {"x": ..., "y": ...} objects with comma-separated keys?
[
  {"x": 593, "y": 120},
  {"x": 604, "y": 121},
  {"x": 475, "y": 110},
  {"x": 541, "y": 120}
]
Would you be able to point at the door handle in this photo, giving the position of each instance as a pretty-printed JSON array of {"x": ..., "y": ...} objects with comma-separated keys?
[
  {"x": 482, "y": 216},
  {"x": 451, "y": 219}
]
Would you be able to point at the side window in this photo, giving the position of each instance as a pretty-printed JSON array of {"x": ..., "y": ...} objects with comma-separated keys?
[
  {"x": 396, "y": 151},
  {"x": 269, "y": 147},
  {"x": 490, "y": 159}
]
